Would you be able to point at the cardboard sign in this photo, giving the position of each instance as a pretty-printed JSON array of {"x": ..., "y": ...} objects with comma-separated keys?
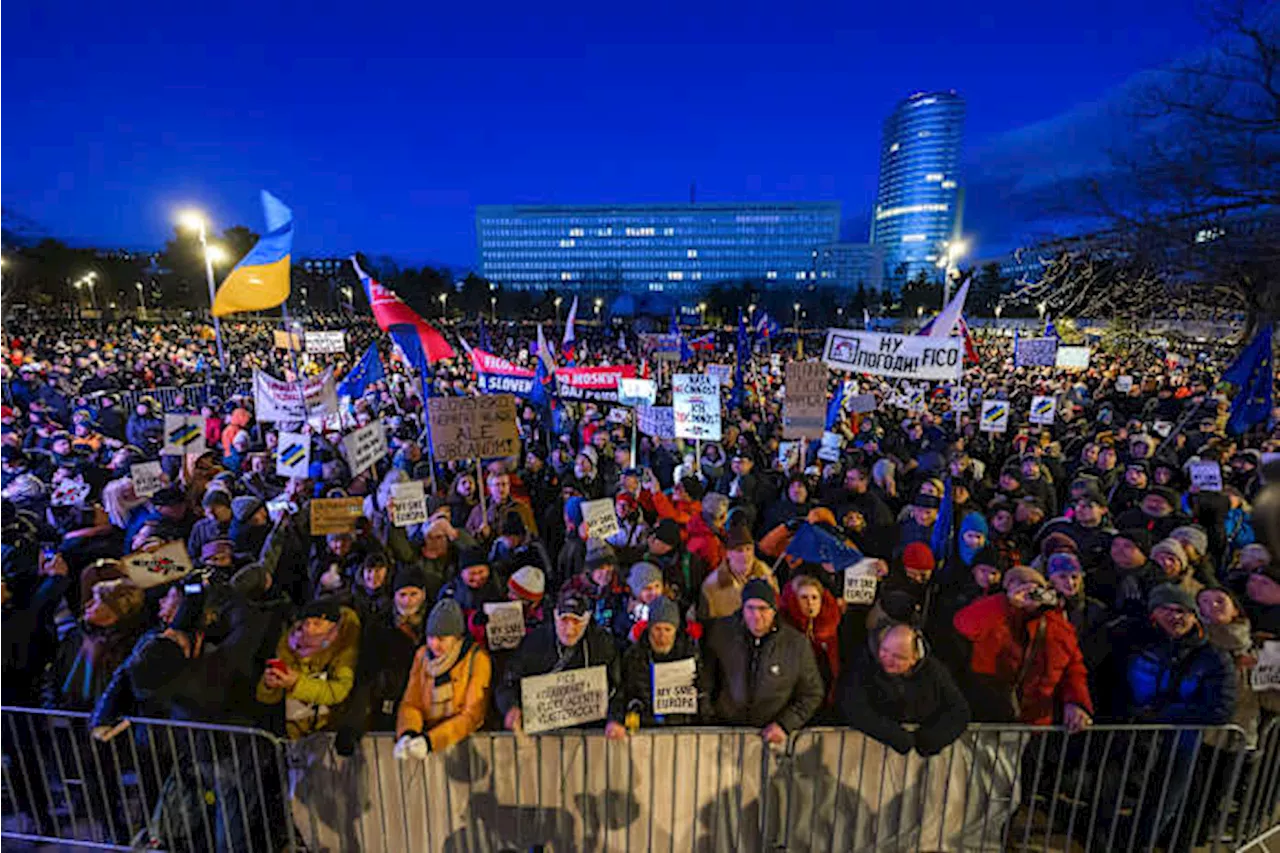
[
  {"x": 804, "y": 409},
  {"x": 656, "y": 421},
  {"x": 318, "y": 342},
  {"x": 696, "y": 406},
  {"x": 995, "y": 416},
  {"x": 1042, "y": 410},
  {"x": 1124, "y": 383},
  {"x": 1162, "y": 428},
  {"x": 1266, "y": 673},
  {"x": 861, "y": 403},
  {"x": 277, "y": 400},
  {"x": 473, "y": 427},
  {"x": 601, "y": 518},
  {"x": 159, "y": 565},
  {"x": 959, "y": 397},
  {"x": 408, "y": 503},
  {"x": 722, "y": 372},
  {"x": 829, "y": 450},
  {"x": 365, "y": 446},
  {"x": 789, "y": 454},
  {"x": 618, "y": 416},
  {"x": 147, "y": 478},
  {"x": 284, "y": 340},
  {"x": 73, "y": 491},
  {"x": 1072, "y": 358},
  {"x": 898, "y": 356},
  {"x": 637, "y": 392},
  {"x": 183, "y": 434},
  {"x": 563, "y": 699},
  {"x": 914, "y": 399},
  {"x": 1205, "y": 476},
  {"x": 675, "y": 687},
  {"x": 1036, "y": 352},
  {"x": 505, "y": 628},
  {"x": 860, "y": 581},
  {"x": 335, "y": 515},
  {"x": 293, "y": 455}
]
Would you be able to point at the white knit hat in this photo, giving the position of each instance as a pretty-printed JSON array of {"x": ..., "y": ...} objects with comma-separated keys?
[{"x": 528, "y": 583}]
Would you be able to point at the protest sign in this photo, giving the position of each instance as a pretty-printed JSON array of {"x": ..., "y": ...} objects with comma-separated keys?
[
  {"x": 1042, "y": 410},
  {"x": 408, "y": 503},
  {"x": 656, "y": 421},
  {"x": 675, "y": 687},
  {"x": 1205, "y": 476},
  {"x": 618, "y": 416},
  {"x": 335, "y": 515},
  {"x": 293, "y": 455},
  {"x": 696, "y": 404},
  {"x": 995, "y": 416},
  {"x": 496, "y": 375},
  {"x": 860, "y": 582},
  {"x": 861, "y": 403},
  {"x": 365, "y": 446},
  {"x": 660, "y": 347},
  {"x": 789, "y": 454},
  {"x": 1266, "y": 672},
  {"x": 959, "y": 396},
  {"x": 284, "y": 340},
  {"x": 601, "y": 519},
  {"x": 183, "y": 434},
  {"x": 829, "y": 449},
  {"x": 73, "y": 490},
  {"x": 637, "y": 392},
  {"x": 1124, "y": 383},
  {"x": 1072, "y": 358},
  {"x": 592, "y": 383},
  {"x": 158, "y": 565},
  {"x": 804, "y": 409},
  {"x": 1036, "y": 352},
  {"x": 147, "y": 478},
  {"x": 563, "y": 699},
  {"x": 723, "y": 374},
  {"x": 319, "y": 342},
  {"x": 900, "y": 356},
  {"x": 1162, "y": 428},
  {"x": 505, "y": 628},
  {"x": 277, "y": 400},
  {"x": 473, "y": 427},
  {"x": 914, "y": 398}
]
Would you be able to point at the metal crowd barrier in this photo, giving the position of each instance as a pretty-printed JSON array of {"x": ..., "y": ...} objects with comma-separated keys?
[{"x": 187, "y": 787}]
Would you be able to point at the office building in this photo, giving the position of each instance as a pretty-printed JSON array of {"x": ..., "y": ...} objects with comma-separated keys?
[
  {"x": 919, "y": 195},
  {"x": 847, "y": 265},
  {"x": 659, "y": 247}
]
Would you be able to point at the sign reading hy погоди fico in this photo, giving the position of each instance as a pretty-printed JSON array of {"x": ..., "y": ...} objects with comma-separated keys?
[{"x": 900, "y": 356}]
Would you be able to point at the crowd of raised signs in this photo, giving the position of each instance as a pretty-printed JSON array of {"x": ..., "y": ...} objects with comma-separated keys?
[{"x": 912, "y": 557}]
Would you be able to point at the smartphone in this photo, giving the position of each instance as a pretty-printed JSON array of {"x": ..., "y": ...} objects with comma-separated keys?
[{"x": 277, "y": 664}]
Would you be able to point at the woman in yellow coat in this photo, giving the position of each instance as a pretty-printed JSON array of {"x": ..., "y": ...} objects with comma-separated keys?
[
  {"x": 448, "y": 690},
  {"x": 314, "y": 668}
]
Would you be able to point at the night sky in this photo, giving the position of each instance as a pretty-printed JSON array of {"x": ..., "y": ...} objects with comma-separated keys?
[{"x": 384, "y": 125}]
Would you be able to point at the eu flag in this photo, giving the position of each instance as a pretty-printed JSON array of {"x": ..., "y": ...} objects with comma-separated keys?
[
  {"x": 814, "y": 544},
  {"x": 1252, "y": 372},
  {"x": 944, "y": 527},
  {"x": 367, "y": 371}
]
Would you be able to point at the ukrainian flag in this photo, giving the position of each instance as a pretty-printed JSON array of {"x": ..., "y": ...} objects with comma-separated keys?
[{"x": 261, "y": 279}]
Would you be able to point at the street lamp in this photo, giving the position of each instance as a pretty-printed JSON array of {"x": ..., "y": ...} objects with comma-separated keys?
[
  {"x": 919, "y": 312},
  {"x": 193, "y": 220},
  {"x": 444, "y": 311},
  {"x": 702, "y": 313},
  {"x": 999, "y": 310},
  {"x": 493, "y": 309},
  {"x": 952, "y": 251},
  {"x": 559, "y": 299},
  {"x": 142, "y": 298},
  {"x": 599, "y": 303},
  {"x": 796, "y": 311},
  {"x": 349, "y": 295}
]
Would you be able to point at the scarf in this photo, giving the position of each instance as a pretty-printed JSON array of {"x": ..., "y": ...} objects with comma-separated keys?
[
  {"x": 412, "y": 623},
  {"x": 442, "y": 704},
  {"x": 1233, "y": 637},
  {"x": 304, "y": 645}
]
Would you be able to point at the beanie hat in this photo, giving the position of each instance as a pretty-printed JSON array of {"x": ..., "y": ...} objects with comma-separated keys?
[
  {"x": 917, "y": 556},
  {"x": 1092, "y": 494},
  {"x": 664, "y": 611},
  {"x": 1193, "y": 535},
  {"x": 409, "y": 576},
  {"x": 641, "y": 575},
  {"x": 1171, "y": 546},
  {"x": 446, "y": 620},
  {"x": 168, "y": 496},
  {"x": 244, "y": 507},
  {"x": 667, "y": 532},
  {"x": 469, "y": 557},
  {"x": 215, "y": 497},
  {"x": 599, "y": 553},
  {"x": 692, "y": 487},
  {"x": 1139, "y": 537},
  {"x": 739, "y": 536},
  {"x": 1063, "y": 562},
  {"x": 321, "y": 608},
  {"x": 1171, "y": 497},
  {"x": 1168, "y": 593},
  {"x": 1059, "y": 543},
  {"x": 572, "y": 602},
  {"x": 573, "y": 509},
  {"x": 974, "y": 521},
  {"x": 761, "y": 590},
  {"x": 251, "y": 581},
  {"x": 1023, "y": 574},
  {"x": 926, "y": 501},
  {"x": 528, "y": 583},
  {"x": 987, "y": 555}
]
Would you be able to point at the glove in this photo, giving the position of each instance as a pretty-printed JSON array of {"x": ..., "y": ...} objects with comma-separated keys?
[
  {"x": 411, "y": 745},
  {"x": 345, "y": 742}
]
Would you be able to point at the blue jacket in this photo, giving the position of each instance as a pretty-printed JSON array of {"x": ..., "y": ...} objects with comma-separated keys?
[{"x": 1182, "y": 682}]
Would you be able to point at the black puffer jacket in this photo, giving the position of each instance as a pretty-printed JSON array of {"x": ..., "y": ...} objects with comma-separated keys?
[
  {"x": 540, "y": 652},
  {"x": 637, "y": 680},
  {"x": 756, "y": 681},
  {"x": 875, "y": 702}
]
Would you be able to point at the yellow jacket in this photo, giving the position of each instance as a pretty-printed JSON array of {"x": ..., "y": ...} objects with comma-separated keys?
[
  {"x": 324, "y": 682},
  {"x": 472, "y": 678}
]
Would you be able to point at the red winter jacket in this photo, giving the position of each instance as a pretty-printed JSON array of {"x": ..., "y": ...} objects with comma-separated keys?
[
  {"x": 702, "y": 541},
  {"x": 822, "y": 633},
  {"x": 1057, "y": 677}
]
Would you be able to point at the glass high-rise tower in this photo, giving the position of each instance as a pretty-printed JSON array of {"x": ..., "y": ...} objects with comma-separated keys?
[{"x": 919, "y": 199}]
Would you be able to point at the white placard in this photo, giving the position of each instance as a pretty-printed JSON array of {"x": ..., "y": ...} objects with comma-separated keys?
[
  {"x": 959, "y": 396},
  {"x": 365, "y": 446},
  {"x": 1162, "y": 428},
  {"x": 183, "y": 434},
  {"x": 789, "y": 454},
  {"x": 656, "y": 421},
  {"x": 913, "y": 398},
  {"x": 722, "y": 372},
  {"x": 71, "y": 492},
  {"x": 860, "y": 581},
  {"x": 829, "y": 449},
  {"x": 408, "y": 503},
  {"x": 147, "y": 478},
  {"x": 995, "y": 416},
  {"x": 158, "y": 565},
  {"x": 325, "y": 341},
  {"x": 675, "y": 687},
  {"x": 901, "y": 356},
  {"x": 601, "y": 518},
  {"x": 505, "y": 628},
  {"x": 293, "y": 455},
  {"x": 1124, "y": 383},
  {"x": 1205, "y": 476},
  {"x": 563, "y": 699},
  {"x": 860, "y": 403},
  {"x": 637, "y": 392},
  {"x": 1072, "y": 358},
  {"x": 1266, "y": 672},
  {"x": 696, "y": 406},
  {"x": 278, "y": 400},
  {"x": 618, "y": 415},
  {"x": 1042, "y": 410}
]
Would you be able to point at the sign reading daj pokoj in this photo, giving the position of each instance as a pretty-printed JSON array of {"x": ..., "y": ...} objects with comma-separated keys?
[
  {"x": 695, "y": 399},
  {"x": 901, "y": 356},
  {"x": 563, "y": 699},
  {"x": 473, "y": 427}
]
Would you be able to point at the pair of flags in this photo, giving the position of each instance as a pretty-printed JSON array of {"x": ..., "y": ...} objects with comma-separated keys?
[{"x": 949, "y": 319}]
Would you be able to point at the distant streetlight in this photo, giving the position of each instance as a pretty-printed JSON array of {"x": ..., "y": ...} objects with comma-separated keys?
[
  {"x": 1042, "y": 307},
  {"x": 559, "y": 299},
  {"x": 142, "y": 297},
  {"x": 999, "y": 311},
  {"x": 599, "y": 303},
  {"x": 194, "y": 220},
  {"x": 493, "y": 307},
  {"x": 796, "y": 310},
  {"x": 919, "y": 311},
  {"x": 444, "y": 310},
  {"x": 751, "y": 309}
]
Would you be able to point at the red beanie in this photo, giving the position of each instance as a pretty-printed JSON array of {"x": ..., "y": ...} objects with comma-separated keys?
[{"x": 918, "y": 557}]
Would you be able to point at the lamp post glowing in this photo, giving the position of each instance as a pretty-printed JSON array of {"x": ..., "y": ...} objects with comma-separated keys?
[
  {"x": 999, "y": 311},
  {"x": 444, "y": 310},
  {"x": 142, "y": 298},
  {"x": 598, "y": 303},
  {"x": 559, "y": 299},
  {"x": 796, "y": 314},
  {"x": 952, "y": 251},
  {"x": 493, "y": 309},
  {"x": 193, "y": 220}
]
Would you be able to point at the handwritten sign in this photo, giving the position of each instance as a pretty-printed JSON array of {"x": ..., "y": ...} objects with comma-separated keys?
[
  {"x": 1042, "y": 410},
  {"x": 601, "y": 519},
  {"x": 1266, "y": 673},
  {"x": 318, "y": 342},
  {"x": 696, "y": 404},
  {"x": 900, "y": 356},
  {"x": 474, "y": 427},
  {"x": 158, "y": 565},
  {"x": 1205, "y": 476},
  {"x": 1072, "y": 358},
  {"x": 637, "y": 392},
  {"x": 283, "y": 340},
  {"x": 675, "y": 687},
  {"x": 789, "y": 454},
  {"x": 860, "y": 581},
  {"x": 563, "y": 699},
  {"x": 147, "y": 478},
  {"x": 293, "y": 455},
  {"x": 408, "y": 503},
  {"x": 1124, "y": 383},
  {"x": 365, "y": 446},
  {"x": 995, "y": 416},
  {"x": 277, "y": 400},
  {"x": 505, "y": 628},
  {"x": 335, "y": 515},
  {"x": 183, "y": 434},
  {"x": 656, "y": 421},
  {"x": 804, "y": 410},
  {"x": 860, "y": 403},
  {"x": 829, "y": 449},
  {"x": 722, "y": 372}
]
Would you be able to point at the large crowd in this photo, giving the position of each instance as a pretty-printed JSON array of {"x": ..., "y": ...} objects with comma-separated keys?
[{"x": 1068, "y": 573}]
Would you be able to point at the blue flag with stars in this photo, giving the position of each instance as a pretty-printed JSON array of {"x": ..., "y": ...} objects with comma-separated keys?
[
  {"x": 1252, "y": 373},
  {"x": 367, "y": 371}
]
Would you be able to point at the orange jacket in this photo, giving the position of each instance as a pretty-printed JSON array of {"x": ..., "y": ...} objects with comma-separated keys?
[
  {"x": 239, "y": 420},
  {"x": 682, "y": 513},
  {"x": 472, "y": 678}
]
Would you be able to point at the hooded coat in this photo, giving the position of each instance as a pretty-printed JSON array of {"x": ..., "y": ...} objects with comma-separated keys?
[
  {"x": 822, "y": 632},
  {"x": 325, "y": 681}
]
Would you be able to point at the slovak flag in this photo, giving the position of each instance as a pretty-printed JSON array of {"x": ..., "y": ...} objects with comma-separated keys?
[
  {"x": 566, "y": 346},
  {"x": 706, "y": 342},
  {"x": 390, "y": 310}
]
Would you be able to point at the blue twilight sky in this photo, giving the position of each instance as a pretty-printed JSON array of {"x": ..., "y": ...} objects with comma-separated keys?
[{"x": 383, "y": 125}]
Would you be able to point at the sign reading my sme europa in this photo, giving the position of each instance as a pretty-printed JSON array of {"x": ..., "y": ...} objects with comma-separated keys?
[
  {"x": 473, "y": 427},
  {"x": 901, "y": 356}
]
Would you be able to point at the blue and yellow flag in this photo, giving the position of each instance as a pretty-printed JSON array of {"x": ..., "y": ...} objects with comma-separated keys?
[{"x": 261, "y": 279}]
